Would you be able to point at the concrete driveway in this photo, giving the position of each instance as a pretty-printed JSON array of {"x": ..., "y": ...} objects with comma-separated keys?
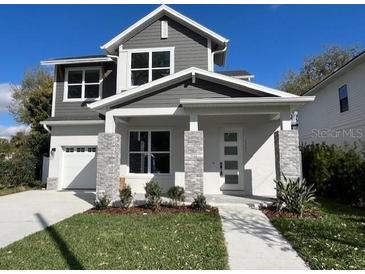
[{"x": 27, "y": 212}]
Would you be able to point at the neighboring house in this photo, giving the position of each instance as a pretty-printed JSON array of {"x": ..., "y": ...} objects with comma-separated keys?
[
  {"x": 337, "y": 116},
  {"x": 152, "y": 107}
]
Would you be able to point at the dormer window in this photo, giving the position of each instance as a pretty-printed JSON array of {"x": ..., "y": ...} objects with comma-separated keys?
[
  {"x": 150, "y": 64},
  {"x": 82, "y": 84}
]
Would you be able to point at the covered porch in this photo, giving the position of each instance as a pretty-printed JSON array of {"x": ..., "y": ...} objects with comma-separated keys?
[{"x": 235, "y": 146}]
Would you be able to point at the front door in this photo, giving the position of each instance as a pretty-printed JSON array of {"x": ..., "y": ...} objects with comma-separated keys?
[{"x": 231, "y": 164}]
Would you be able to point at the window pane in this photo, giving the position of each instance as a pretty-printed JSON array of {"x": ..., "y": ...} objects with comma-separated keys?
[
  {"x": 161, "y": 59},
  {"x": 138, "y": 141},
  {"x": 231, "y": 179},
  {"x": 75, "y": 76},
  {"x": 160, "y": 141},
  {"x": 140, "y": 60},
  {"x": 138, "y": 163},
  {"x": 160, "y": 163},
  {"x": 139, "y": 77},
  {"x": 92, "y": 76},
  {"x": 230, "y": 137},
  {"x": 231, "y": 165},
  {"x": 91, "y": 91},
  {"x": 230, "y": 150},
  {"x": 159, "y": 73},
  {"x": 344, "y": 105},
  {"x": 343, "y": 92},
  {"x": 74, "y": 92}
]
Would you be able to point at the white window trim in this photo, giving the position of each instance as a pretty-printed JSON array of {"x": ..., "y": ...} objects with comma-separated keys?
[
  {"x": 149, "y": 152},
  {"x": 82, "y": 99},
  {"x": 150, "y": 51}
]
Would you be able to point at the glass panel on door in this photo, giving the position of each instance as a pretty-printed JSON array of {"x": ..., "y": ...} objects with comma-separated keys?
[{"x": 231, "y": 158}]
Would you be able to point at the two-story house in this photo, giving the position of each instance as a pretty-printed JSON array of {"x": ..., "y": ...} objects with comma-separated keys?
[
  {"x": 337, "y": 116},
  {"x": 152, "y": 107}
]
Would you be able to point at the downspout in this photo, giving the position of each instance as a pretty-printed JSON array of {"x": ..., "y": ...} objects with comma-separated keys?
[
  {"x": 219, "y": 51},
  {"x": 113, "y": 56},
  {"x": 46, "y": 128}
]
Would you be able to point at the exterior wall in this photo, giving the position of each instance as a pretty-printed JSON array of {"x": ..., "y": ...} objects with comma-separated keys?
[
  {"x": 170, "y": 96},
  {"x": 324, "y": 113},
  {"x": 258, "y": 152},
  {"x": 79, "y": 109},
  {"x": 68, "y": 136},
  {"x": 190, "y": 48}
]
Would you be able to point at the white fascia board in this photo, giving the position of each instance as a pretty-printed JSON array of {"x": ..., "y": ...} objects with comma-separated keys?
[
  {"x": 76, "y": 61},
  {"x": 72, "y": 122},
  {"x": 163, "y": 9},
  {"x": 183, "y": 75},
  {"x": 246, "y": 101}
]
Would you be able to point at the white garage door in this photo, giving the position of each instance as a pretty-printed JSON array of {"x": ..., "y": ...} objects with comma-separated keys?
[{"x": 79, "y": 167}]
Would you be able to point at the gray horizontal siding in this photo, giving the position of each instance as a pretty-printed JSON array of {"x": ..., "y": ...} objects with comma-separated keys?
[
  {"x": 190, "y": 48},
  {"x": 79, "y": 109},
  {"x": 170, "y": 97}
]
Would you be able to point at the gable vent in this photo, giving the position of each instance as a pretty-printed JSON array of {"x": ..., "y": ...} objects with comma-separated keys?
[{"x": 164, "y": 29}]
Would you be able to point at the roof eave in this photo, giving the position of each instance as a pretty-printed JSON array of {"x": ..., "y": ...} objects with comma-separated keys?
[{"x": 76, "y": 61}]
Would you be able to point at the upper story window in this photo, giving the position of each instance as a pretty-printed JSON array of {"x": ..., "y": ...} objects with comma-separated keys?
[
  {"x": 344, "y": 101},
  {"x": 150, "y": 64},
  {"x": 82, "y": 84}
]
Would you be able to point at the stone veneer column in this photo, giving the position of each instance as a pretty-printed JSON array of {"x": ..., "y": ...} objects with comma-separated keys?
[
  {"x": 52, "y": 183},
  {"x": 193, "y": 162},
  {"x": 108, "y": 165},
  {"x": 287, "y": 154}
]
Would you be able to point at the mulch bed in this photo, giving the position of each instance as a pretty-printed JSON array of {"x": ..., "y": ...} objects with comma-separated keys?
[
  {"x": 143, "y": 210},
  {"x": 309, "y": 213}
]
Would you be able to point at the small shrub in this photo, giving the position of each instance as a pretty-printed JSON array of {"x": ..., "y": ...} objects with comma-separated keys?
[
  {"x": 200, "y": 202},
  {"x": 153, "y": 194},
  {"x": 102, "y": 202},
  {"x": 293, "y": 195},
  {"x": 176, "y": 194},
  {"x": 126, "y": 197},
  {"x": 336, "y": 172}
]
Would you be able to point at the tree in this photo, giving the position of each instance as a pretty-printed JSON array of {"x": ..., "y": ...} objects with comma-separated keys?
[
  {"x": 32, "y": 103},
  {"x": 316, "y": 68},
  {"x": 33, "y": 98}
]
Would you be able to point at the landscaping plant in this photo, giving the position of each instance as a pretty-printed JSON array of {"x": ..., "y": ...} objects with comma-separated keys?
[
  {"x": 176, "y": 194},
  {"x": 153, "y": 194},
  {"x": 126, "y": 197},
  {"x": 102, "y": 202},
  {"x": 293, "y": 194},
  {"x": 200, "y": 202},
  {"x": 336, "y": 172}
]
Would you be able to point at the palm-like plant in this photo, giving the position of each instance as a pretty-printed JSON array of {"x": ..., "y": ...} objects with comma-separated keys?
[{"x": 293, "y": 194}]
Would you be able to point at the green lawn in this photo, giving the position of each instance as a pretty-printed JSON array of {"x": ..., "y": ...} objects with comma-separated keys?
[
  {"x": 337, "y": 241},
  {"x": 101, "y": 241},
  {"x": 11, "y": 190}
]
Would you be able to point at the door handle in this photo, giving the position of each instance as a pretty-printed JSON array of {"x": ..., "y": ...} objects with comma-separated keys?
[{"x": 221, "y": 168}]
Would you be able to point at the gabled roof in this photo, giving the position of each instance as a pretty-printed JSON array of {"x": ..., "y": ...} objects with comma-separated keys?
[
  {"x": 358, "y": 59},
  {"x": 154, "y": 15},
  {"x": 234, "y": 73},
  {"x": 190, "y": 73}
]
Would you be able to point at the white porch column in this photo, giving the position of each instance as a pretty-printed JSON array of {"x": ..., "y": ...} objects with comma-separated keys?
[
  {"x": 193, "y": 158},
  {"x": 285, "y": 120},
  {"x": 109, "y": 122}
]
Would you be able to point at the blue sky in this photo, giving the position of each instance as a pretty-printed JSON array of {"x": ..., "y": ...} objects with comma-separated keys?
[{"x": 266, "y": 40}]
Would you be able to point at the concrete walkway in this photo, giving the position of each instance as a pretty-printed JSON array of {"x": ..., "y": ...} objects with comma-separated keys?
[
  {"x": 24, "y": 213},
  {"x": 253, "y": 243}
]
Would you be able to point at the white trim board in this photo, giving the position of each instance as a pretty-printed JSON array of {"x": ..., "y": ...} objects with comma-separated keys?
[
  {"x": 76, "y": 61},
  {"x": 184, "y": 75},
  {"x": 72, "y": 122},
  {"x": 160, "y": 11}
]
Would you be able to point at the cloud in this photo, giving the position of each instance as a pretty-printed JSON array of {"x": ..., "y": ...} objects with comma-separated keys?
[
  {"x": 7, "y": 132},
  {"x": 5, "y": 96}
]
